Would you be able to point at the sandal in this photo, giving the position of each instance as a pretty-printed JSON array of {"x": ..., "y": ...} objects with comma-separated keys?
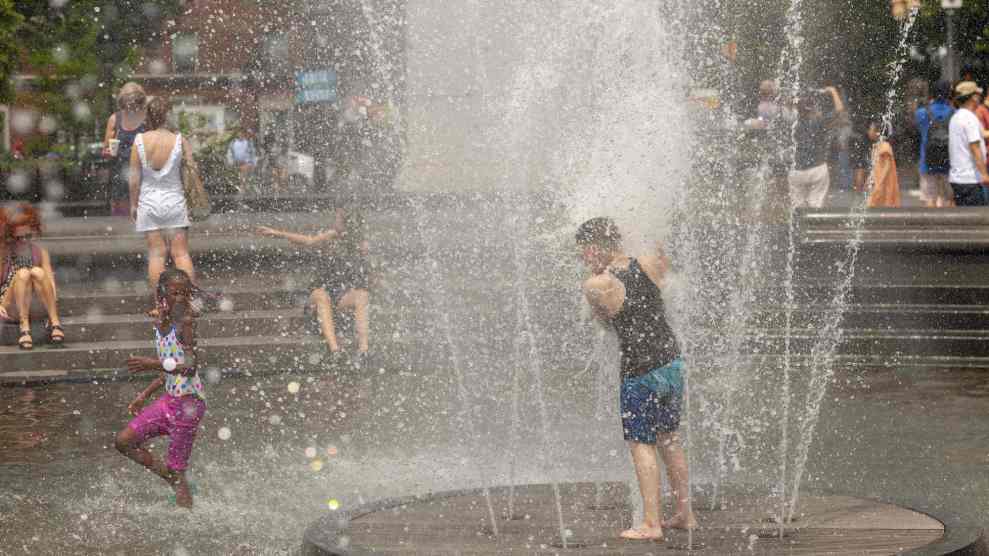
[
  {"x": 25, "y": 342},
  {"x": 56, "y": 340}
]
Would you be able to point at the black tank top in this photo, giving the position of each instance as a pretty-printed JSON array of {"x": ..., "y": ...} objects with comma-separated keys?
[
  {"x": 126, "y": 138},
  {"x": 645, "y": 338}
]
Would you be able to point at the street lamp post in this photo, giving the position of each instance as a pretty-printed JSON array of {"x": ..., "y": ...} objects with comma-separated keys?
[{"x": 949, "y": 70}]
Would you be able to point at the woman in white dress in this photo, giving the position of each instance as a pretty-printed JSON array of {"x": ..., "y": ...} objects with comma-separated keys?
[{"x": 157, "y": 200}]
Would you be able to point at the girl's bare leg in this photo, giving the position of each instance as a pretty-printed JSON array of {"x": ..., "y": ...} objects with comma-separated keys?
[
  {"x": 324, "y": 313},
  {"x": 21, "y": 289},
  {"x": 126, "y": 444},
  {"x": 42, "y": 284},
  {"x": 358, "y": 301},
  {"x": 156, "y": 261},
  {"x": 180, "y": 253}
]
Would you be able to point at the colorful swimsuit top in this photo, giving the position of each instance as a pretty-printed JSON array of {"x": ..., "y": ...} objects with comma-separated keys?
[{"x": 177, "y": 385}]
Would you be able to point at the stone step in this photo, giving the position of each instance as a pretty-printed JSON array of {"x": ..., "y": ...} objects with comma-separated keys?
[
  {"x": 882, "y": 317},
  {"x": 920, "y": 342},
  {"x": 291, "y": 347},
  {"x": 809, "y": 293},
  {"x": 130, "y": 326},
  {"x": 97, "y": 302},
  {"x": 119, "y": 373},
  {"x": 266, "y": 313},
  {"x": 240, "y": 351}
]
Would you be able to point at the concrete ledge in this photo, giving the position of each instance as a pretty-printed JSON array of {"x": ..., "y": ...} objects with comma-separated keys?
[{"x": 402, "y": 525}]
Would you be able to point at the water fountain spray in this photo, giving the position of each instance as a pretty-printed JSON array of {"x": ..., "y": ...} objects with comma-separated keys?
[{"x": 822, "y": 369}]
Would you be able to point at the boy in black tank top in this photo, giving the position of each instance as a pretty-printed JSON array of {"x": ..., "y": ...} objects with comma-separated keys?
[{"x": 625, "y": 293}]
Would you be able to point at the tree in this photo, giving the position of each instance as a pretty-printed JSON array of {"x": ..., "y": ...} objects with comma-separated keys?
[
  {"x": 10, "y": 21},
  {"x": 971, "y": 38},
  {"x": 78, "y": 52}
]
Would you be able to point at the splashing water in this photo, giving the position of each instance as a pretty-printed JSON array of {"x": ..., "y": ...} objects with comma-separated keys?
[{"x": 830, "y": 336}]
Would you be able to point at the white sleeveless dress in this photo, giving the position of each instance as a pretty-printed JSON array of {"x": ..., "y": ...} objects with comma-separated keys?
[{"x": 161, "y": 203}]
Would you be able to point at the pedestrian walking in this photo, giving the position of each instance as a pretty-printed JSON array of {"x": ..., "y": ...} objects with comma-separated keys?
[
  {"x": 933, "y": 121},
  {"x": 158, "y": 203},
  {"x": 809, "y": 179},
  {"x": 242, "y": 156},
  {"x": 967, "y": 148}
]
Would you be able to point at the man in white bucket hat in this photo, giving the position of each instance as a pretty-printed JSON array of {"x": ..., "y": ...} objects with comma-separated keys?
[{"x": 967, "y": 148}]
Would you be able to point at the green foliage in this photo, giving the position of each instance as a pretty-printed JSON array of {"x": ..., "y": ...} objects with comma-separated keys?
[
  {"x": 971, "y": 34},
  {"x": 80, "y": 52},
  {"x": 219, "y": 178},
  {"x": 10, "y": 21}
]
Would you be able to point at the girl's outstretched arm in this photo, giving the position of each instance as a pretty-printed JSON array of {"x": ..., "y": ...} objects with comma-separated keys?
[
  {"x": 135, "y": 406},
  {"x": 300, "y": 239}
]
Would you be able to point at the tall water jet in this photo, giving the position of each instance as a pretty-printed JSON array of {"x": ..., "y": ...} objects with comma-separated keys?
[
  {"x": 456, "y": 359},
  {"x": 829, "y": 338}
]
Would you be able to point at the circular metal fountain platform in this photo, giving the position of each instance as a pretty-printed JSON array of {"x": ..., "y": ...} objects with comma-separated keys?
[{"x": 458, "y": 522}]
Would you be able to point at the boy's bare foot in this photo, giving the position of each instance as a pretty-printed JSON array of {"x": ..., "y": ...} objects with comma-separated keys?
[
  {"x": 681, "y": 521},
  {"x": 643, "y": 533}
]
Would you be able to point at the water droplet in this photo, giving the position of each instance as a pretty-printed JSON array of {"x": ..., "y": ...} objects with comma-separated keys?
[
  {"x": 293, "y": 387},
  {"x": 223, "y": 433}
]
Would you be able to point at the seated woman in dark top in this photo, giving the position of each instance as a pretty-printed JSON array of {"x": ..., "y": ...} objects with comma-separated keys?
[
  {"x": 342, "y": 277},
  {"x": 26, "y": 271}
]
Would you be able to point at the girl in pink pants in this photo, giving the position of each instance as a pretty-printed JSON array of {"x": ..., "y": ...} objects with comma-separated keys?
[{"x": 178, "y": 412}]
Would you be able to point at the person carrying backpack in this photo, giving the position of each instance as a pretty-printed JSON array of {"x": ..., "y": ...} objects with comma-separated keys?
[{"x": 932, "y": 122}]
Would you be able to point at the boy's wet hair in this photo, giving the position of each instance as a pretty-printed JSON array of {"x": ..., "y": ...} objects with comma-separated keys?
[{"x": 600, "y": 231}]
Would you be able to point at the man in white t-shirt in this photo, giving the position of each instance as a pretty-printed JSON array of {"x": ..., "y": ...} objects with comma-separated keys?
[{"x": 967, "y": 148}]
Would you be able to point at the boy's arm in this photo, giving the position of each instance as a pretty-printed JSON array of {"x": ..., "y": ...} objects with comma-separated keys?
[
  {"x": 605, "y": 294},
  {"x": 656, "y": 266}
]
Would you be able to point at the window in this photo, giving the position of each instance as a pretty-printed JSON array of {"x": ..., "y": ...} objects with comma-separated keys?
[
  {"x": 185, "y": 52},
  {"x": 275, "y": 51}
]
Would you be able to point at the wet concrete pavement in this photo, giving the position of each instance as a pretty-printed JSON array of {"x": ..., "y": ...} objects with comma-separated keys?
[{"x": 910, "y": 433}]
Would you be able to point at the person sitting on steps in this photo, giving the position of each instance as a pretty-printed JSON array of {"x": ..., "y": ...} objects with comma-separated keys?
[
  {"x": 26, "y": 270},
  {"x": 342, "y": 278}
]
